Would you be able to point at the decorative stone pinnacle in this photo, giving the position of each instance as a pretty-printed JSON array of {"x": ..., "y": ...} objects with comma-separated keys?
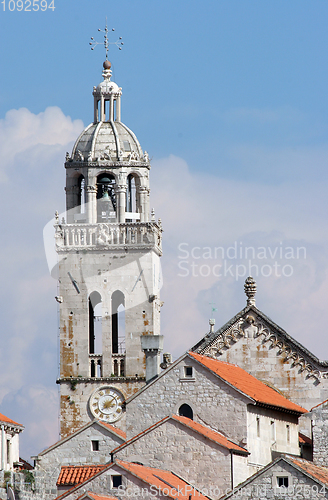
[{"x": 250, "y": 290}]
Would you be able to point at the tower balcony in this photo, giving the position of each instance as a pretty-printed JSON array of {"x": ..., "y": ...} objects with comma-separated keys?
[{"x": 108, "y": 236}]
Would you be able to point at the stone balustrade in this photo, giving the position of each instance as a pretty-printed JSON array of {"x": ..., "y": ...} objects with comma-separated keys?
[{"x": 108, "y": 235}]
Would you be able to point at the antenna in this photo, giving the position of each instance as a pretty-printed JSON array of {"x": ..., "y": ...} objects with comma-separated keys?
[{"x": 106, "y": 43}]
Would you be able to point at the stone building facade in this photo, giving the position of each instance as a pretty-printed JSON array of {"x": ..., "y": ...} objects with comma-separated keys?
[
  {"x": 285, "y": 478},
  {"x": 223, "y": 398},
  {"x": 9, "y": 443}
]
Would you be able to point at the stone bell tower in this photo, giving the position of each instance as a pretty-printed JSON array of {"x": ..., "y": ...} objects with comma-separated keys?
[{"x": 108, "y": 248}]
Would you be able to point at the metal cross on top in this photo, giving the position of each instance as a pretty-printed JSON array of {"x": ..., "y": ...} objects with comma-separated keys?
[{"x": 106, "y": 43}]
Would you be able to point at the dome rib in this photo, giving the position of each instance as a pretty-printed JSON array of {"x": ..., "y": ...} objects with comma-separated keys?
[
  {"x": 134, "y": 137},
  {"x": 117, "y": 140},
  {"x": 95, "y": 135}
]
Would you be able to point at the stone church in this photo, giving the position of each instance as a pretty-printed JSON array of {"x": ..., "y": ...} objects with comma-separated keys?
[{"x": 241, "y": 412}]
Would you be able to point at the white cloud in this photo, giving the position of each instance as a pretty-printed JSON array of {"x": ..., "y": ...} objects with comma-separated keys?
[{"x": 32, "y": 148}]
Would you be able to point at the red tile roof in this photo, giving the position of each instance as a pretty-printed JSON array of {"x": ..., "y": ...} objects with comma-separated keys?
[
  {"x": 114, "y": 429},
  {"x": 3, "y": 418},
  {"x": 166, "y": 481},
  {"x": 304, "y": 439},
  {"x": 76, "y": 474},
  {"x": 317, "y": 472},
  {"x": 209, "y": 433},
  {"x": 246, "y": 383}
]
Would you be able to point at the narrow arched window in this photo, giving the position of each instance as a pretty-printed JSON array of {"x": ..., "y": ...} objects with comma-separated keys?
[
  {"x": 186, "y": 411},
  {"x": 118, "y": 322},
  {"x": 95, "y": 323},
  {"x": 131, "y": 196},
  {"x": 106, "y": 198}
]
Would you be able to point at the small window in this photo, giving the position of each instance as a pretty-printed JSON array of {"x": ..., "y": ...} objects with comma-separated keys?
[
  {"x": 258, "y": 426},
  {"x": 117, "y": 481},
  {"x": 288, "y": 433},
  {"x": 186, "y": 411},
  {"x": 95, "y": 445},
  {"x": 282, "y": 482},
  {"x": 127, "y": 146},
  {"x": 188, "y": 371},
  {"x": 273, "y": 430}
]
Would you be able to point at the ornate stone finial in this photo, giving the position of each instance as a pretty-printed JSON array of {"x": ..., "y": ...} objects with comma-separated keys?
[
  {"x": 152, "y": 214},
  {"x": 57, "y": 217},
  {"x": 250, "y": 290}
]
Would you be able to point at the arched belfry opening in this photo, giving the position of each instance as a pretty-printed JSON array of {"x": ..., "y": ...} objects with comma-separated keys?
[
  {"x": 106, "y": 198},
  {"x": 118, "y": 323},
  {"x": 131, "y": 194},
  {"x": 95, "y": 334},
  {"x": 133, "y": 198},
  {"x": 186, "y": 411}
]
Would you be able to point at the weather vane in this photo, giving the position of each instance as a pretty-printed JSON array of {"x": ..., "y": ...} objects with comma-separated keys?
[
  {"x": 106, "y": 43},
  {"x": 212, "y": 304}
]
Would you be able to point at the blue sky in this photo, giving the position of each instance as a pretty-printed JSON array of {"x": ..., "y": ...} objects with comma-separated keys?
[{"x": 230, "y": 100}]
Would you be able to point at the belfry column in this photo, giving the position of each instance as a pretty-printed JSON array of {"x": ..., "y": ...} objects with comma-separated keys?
[
  {"x": 91, "y": 198},
  {"x": 143, "y": 192},
  {"x": 121, "y": 201}
]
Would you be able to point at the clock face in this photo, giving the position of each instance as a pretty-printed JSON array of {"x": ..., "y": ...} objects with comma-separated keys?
[{"x": 106, "y": 404}]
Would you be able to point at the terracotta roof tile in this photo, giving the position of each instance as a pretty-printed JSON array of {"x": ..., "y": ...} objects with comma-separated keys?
[
  {"x": 76, "y": 474},
  {"x": 317, "y": 472},
  {"x": 304, "y": 439},
  {"x": 209, "y": 433},
  {"x": 247, "y": 384},
  {"x": 163, "y": 480},
  {"x": 114, "y": 429},
  {"x": 3, "y": 418}
]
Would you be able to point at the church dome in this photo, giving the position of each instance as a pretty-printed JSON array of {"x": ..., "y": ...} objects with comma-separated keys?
[
  {"x": 107, "y": 141},
  {"x": 107, "y": 138}
]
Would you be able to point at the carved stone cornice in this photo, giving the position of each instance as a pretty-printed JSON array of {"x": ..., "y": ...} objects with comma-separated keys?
[{"x": 251, "y": 326}]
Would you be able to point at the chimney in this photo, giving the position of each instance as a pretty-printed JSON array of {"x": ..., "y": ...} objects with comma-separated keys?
[{"x": 152, "y": 345}]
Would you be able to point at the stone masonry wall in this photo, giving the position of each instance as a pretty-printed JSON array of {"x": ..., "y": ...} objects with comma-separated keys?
[
  {"x": 75, "y": 451},
  {"x": 214, "y": 403},
  {"x": 320, "y": 435},
  {"x": 264, "y": 486},
  {"x": 175, "y": 447}
]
